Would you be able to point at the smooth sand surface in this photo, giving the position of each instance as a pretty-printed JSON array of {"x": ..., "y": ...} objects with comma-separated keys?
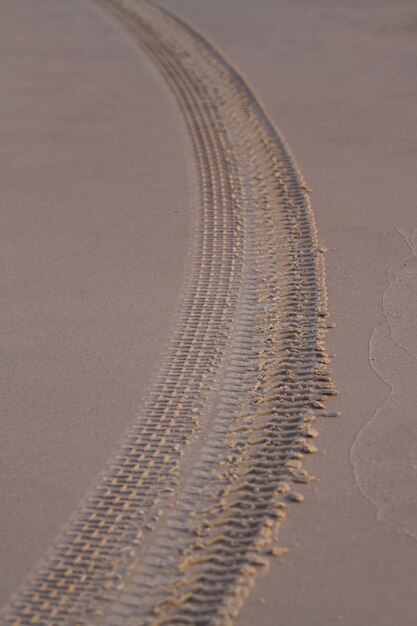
[
  {"x": 338, "y": 79},
  {"x": 94, "y": 204}
]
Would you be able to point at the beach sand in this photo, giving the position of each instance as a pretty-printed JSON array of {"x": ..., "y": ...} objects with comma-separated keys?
[
  {"x": 94, "y": 227},
  {"x": 337, "y": 78}
]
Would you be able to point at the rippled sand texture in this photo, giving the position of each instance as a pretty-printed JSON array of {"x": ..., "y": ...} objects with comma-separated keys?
[
  {"x": 384, "y": 454},
  {"x": 187, "y": 514}
]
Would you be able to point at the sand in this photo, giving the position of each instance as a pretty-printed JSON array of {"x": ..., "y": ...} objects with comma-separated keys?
[
  {"x": 337, "y": 80},
  {"x": 94, "y": 223}
]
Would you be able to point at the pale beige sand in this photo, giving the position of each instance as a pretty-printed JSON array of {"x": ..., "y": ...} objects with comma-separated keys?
[
  {"x": 94, "y": 227},
  {"x": 338, "y": 78}
]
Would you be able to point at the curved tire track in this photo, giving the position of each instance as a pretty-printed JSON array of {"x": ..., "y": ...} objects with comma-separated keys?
[{"x": 176, "y": 529}]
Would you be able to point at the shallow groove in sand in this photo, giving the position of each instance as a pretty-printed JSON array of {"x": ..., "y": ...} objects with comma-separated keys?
[
  {"x": 384, "y": 461},
  {"x": 187, "y": 513}
]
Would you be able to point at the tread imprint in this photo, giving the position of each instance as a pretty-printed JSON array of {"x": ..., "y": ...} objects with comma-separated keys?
[{"x": 188, "y": 511}]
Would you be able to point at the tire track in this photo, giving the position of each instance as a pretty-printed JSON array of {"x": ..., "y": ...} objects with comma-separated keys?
[{"x": 177, "y": 527}]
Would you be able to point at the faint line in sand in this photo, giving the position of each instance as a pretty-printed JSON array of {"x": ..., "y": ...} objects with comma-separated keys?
[{"x": 384, "y": 453}]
